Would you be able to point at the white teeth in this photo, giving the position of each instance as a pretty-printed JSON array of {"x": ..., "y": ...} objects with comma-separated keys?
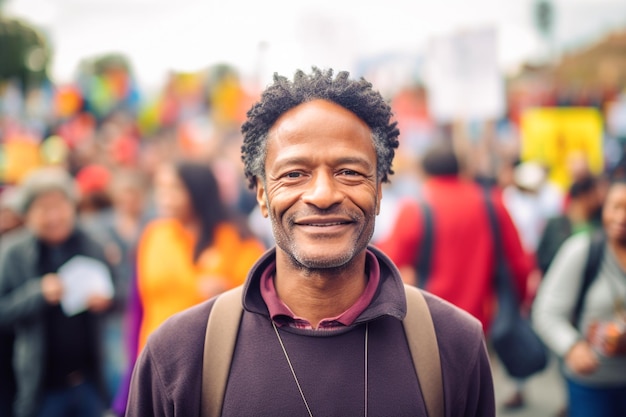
[{"x": 324, "y": 224}]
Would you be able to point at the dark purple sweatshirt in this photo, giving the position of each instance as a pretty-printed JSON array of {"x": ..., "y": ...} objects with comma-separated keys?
[{"x": 330, "y": 365}]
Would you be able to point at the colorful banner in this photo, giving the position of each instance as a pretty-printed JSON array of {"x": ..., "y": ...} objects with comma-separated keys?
[{"x": 553, "y": 136}]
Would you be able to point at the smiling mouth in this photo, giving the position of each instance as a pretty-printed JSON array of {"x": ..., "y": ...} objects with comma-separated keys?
[{"x": 323, "y": 224}]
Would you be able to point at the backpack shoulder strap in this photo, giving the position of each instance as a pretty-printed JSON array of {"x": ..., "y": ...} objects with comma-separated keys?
[
  {"x": 422, "y": 339},
  {"x": 219, "y": 345},
  {"x": 423, "y": 256},
  {"x": 221, "y": 336},
  {"x": 592, "y": 267}
]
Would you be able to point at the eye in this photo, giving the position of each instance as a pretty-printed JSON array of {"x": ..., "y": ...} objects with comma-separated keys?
[
  {"x": 293, "y": 176},
  {"x": 349, "y": 173}
]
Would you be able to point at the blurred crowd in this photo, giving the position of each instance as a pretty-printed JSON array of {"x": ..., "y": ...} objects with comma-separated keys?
[{"x": 153, "y": 189}]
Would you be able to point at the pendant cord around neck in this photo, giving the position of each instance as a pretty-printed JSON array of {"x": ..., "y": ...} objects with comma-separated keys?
[
  {"x": 306, "y": 404},
  {"x": 367, "y": 328},
  {"x": 295, "y": 377}
]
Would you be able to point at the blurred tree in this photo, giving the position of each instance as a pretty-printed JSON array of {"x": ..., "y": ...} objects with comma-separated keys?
[
  {"x": 544, "y": 17},
  {"x": 24, "y": 53}
]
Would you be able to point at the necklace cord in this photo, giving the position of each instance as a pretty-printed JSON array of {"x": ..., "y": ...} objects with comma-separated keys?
[
  {"x": 367, "y": 331},
  {"x": 295, "y": 377},
  {"x": 292, "y": 371}
]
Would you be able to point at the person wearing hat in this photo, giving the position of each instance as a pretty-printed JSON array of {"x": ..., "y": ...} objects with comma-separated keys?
[
  {"x": 531, "y": 200},
  {"x": 56, "y": 361}
]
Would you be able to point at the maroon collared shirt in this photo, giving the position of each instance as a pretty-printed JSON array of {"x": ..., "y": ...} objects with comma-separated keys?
[{"x": 282, "y": 315}]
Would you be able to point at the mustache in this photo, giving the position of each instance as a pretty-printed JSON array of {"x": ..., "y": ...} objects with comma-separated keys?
[{"x": 317, "y": 212}]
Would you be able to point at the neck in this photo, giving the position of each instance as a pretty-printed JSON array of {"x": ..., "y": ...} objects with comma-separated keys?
[
  {"x": 318, "y": 294},
  {"x": 191, "y": 226},
  {"x": 577, "y": 213}
]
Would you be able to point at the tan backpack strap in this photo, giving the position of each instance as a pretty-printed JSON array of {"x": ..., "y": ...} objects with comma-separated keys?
[
  {"x": 221, "y": 336},
  {"x": 219, "y": 345},
  {"x": 420, "y": 334}
]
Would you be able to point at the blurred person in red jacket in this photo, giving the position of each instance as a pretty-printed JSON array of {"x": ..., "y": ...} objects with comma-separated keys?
[{"x": 462, "y": 253}]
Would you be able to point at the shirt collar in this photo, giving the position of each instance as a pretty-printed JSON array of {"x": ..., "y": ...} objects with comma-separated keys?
[{"x": 282, "y": 314}]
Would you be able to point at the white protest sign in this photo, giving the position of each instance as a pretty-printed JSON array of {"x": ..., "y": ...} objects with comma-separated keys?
[{"x": 463, "y": 78}]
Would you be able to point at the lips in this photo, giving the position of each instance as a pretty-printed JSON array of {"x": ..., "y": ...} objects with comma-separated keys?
[{"x": 323, "y": 222}]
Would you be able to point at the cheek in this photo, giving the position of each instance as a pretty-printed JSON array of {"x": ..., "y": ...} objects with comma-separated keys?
[
  {"x": 280, "y": 200},
  {"x": 613, "y": 215},
  {"x": 369, "y": 201},
  {"x": 63, "y": 218}
]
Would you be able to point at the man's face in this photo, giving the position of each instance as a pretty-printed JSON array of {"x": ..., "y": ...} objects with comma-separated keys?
[
  {"x": 321, "y": 191},
  {"x": 614, "y": 213},
  {"x": 51, "y": 217}
]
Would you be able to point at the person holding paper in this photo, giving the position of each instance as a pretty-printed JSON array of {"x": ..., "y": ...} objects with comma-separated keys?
[{"x": 56, "y": 362}]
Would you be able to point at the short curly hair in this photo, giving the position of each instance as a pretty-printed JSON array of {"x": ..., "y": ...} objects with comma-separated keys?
[{"x": 284, "y": 94}]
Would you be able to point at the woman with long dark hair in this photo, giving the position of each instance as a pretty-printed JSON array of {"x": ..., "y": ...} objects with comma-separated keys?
[{"x": 195, "y": 250}]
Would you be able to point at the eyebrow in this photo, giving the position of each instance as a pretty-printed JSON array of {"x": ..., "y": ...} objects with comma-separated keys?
[{"x": 339, "y": 161}]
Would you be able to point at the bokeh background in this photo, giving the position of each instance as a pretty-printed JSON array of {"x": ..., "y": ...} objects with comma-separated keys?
[
  {"x": 194, "y": 67},
  {"x": 103, "y": 87}
]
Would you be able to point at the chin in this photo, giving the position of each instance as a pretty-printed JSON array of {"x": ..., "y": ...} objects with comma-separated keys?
[
  {"x": 56, "y": 238},
  {"x": 326, "y": 260},
  {"x": 323, "y": 263}
]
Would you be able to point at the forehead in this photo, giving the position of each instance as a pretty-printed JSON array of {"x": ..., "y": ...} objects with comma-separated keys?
[
  {"x": 320, "y": 124},
  {"x": 617, "y": 191},
  {"x": 52, "y": 197}
]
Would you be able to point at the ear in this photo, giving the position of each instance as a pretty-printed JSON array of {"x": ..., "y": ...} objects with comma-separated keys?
[
  {"x": 261, "y": 197},
  {"x": 379, "y": 196}
]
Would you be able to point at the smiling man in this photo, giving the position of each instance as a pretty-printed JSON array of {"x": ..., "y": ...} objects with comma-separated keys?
[{"x": 324, "y": 324}]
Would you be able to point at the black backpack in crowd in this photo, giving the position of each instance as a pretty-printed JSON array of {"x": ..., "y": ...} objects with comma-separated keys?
[{"x": 592, "y": 267}]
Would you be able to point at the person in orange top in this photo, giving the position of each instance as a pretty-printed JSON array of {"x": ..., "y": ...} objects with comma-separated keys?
[{"x": 195, "y": 251}]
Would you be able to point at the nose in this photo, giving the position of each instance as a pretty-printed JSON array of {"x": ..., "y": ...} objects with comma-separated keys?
[{"x": 322, "y": 191}]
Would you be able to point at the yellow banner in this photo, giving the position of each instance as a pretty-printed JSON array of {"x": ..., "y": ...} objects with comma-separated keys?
[{"x": 555, "y": 136}]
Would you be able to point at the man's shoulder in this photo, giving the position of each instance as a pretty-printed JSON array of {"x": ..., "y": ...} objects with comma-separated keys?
[
  {"x": 184, "y": 330},
  {"x": 169, "y": 369},
  {"x": 452, "y": 321}
]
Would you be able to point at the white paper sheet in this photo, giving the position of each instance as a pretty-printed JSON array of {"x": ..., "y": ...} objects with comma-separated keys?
[{"x": 82, "y": 278}]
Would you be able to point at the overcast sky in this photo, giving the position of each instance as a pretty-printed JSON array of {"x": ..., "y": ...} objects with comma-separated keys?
[{"x": 263, "y": 36}]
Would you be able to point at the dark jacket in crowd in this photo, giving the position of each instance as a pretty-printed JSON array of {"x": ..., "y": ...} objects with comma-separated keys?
[{"x": 48, "y": 344}]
